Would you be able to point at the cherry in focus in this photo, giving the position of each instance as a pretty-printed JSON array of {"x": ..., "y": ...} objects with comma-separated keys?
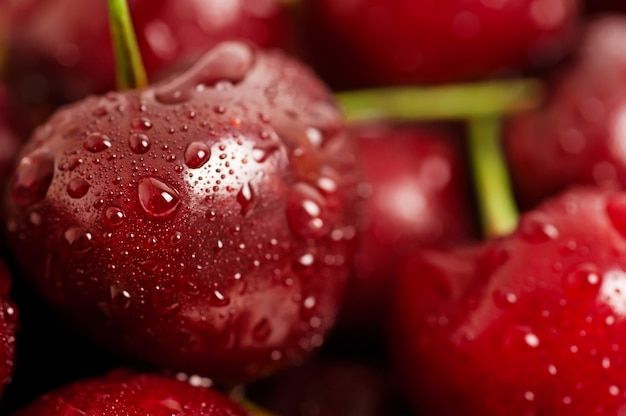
[
  {"x": 205, "y": 224},
  {"x": 532, "y": 323},
  {"x": 378, "y": 42}
]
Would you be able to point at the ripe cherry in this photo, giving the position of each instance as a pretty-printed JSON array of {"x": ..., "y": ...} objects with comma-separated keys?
[
  {"x": 205, "y": 224},
  {"x": 122, "y": 392},
  {"x": 364, "y": 42},
  {"x": 8, "y": 328},
  {"x": 532, "y": 323}
]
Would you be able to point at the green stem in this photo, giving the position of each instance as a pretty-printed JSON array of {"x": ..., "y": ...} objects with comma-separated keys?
[
  {"x": 130, "y": 70},
  {"x": 446, "y": 102},
  {"x": 491, "y": 178}
]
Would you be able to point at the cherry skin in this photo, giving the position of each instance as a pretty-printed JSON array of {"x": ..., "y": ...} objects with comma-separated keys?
[
  {"x": 205, "y": 224},
  {"x": 416, "y": 179},
  {"x": 61, "y": 51},
  {"x": 532, "y": 323},
  {"x": 377, "y": 42},
  {"x": 577, "y": 136},
  {"x": 8, "y": 328},
  {"x": 122, "y": 392},
  {"x": 9, "y": 142}
]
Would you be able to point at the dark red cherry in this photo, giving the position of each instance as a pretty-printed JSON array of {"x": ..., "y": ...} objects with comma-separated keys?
[
  {"x": 122, "y": 392},
  {"x": 9, "y": 142},
  {"x": 364, "y": 42},
  {"x": 205, "y": 224},
  {"x": 577, "y": 136},
  {"x": 416, "y": 187},
  {"x": 533, "y": 323},
  {"x": 61, "y": 49},
  {"x": 604, "y": 6}
]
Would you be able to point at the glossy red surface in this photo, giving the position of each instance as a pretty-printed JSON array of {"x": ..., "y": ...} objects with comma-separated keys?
[
  {"x": 364, "y": 42},
  {"x": 8, "y": 328},
  {"x": 577, "y": 136},
  {"x": 532, "y": 323},
  {"x": 125, "y": 393},
  {"x": 205, "y": 224}
]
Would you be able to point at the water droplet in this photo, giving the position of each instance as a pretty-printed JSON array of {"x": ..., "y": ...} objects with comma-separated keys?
[
  {"x": 32, "y": 177},
  {"x": 616, "y": 210},
  {"x": 262, "y": 330},
  {"x": 96, "y": 142},
  {"x": 315, "y": 136},
  {"x": 114, "y": 216},
  {"x": 141, "y": 124},
  {"x": 157, "y": 199},
  {"x": 582, "y": 281},
  {"x": 245, "y": 198},
  {"x": 504, "y": 300},
  {"x": 228, "y": 61},
  {"x": 219, "y": 299},
  {"x": 77, "y": 188},
  {"x": 78, "y": 239},
  {"x": 536, "y": 230},
  {"x": 309, "y": 302},
  {"x": 119, "y": 296},
  {"x": 139, "y": 143},
  {"x": 197, "y": 154},
  {"x": 261, "y": 154},
  {"x": 307, "y": 212}
]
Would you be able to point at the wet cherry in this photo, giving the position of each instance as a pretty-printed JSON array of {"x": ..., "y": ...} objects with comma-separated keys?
[
  {"x": 122, "y": 392},
  {"x": 8, "y": 328},
  {"x": 182, "y": 247},
  {"x": 533, "y": 321}
]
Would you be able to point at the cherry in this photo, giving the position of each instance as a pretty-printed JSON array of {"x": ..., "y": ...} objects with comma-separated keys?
[
  {"x": 204, "y": 224},
  {"x": 532, "y": 323},
  {"x": 8, "y": 328},
  {"x": 9, "y": 142},
  {"x": 576, "y": 138},
  {"x": 417, "y": 186},
  {"x": 122, "y": 392},
  {"x": 365, "y": 42},
  {"x": 60, "y": 50}
]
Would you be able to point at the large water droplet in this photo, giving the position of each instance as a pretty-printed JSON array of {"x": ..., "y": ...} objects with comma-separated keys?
[
  {"x": 245, "y": 198},
  {"x": 307, "y": 212},
  {"x": 114, "y": 216},
  {"x": 32, "y": 177},
  {"x": 157, "y": 199},
  {"x": 228, "y": 61},
  {"x": 77, "y": 188},
  {"x": 536, "y": 230},
  {"x": 96, "y": 142},
  {"x": 616, "y": 210},
  {"x": 78, "y": 239},
  {"x": 219, "y": 299},
  {"x": 197, "y": 154},
  {"x": 582, "y": 281},
  {"x": 120, "y": 296},
  {"x": 142, "y": 124},
  {"x": 139, "y": 143}
]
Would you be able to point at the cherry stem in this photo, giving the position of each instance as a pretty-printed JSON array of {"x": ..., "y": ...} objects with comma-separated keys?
[
  {"x": 446, "y": 102},
  {"x": 130, "y": 70},
  {"x": 497, "y": 205}
]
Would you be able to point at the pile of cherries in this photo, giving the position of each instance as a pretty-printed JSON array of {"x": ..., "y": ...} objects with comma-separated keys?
[{"x": 283, "y": 220}]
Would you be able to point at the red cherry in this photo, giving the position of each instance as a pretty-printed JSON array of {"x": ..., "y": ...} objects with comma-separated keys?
[
  {"x": 416, "y": 181},
  {"x": 532, "y": 323},
  {"x": 577, "y": 137},
  {"x": 363, "y": 42},
  {"x": 62, "y": 49},
  {"x": 122, "y": 392},
  {"x": 208, "y": 245}
]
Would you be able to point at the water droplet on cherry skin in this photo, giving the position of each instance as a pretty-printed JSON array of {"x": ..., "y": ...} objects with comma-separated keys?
[
  {"x": 157, "y": 199},
  {"x": 139, "y": 143},
  {"x": 246, "y": 198},
  {"x": 78, "y": 239},
  {"x": 96, "y": 143},
  {"x": 32, "y": 177},
  {"x": 582, "y": 281},
  {"x": 114, "y": 216},
  {"x": 307, "y": 212},
  {"x": 197, "y": 154},
  {"x": 119, "y": 296},
  {"x": 228, "y": 61},
  {"x": 536, "y": 230},
  {"x": 77, "y": 188}
]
